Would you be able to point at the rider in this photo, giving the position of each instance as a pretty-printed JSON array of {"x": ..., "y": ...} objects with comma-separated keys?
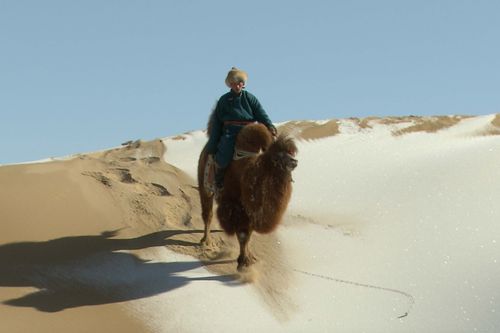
[{"x": 234, "y": 110}]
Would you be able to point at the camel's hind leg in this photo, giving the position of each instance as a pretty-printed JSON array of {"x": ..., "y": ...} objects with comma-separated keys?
[
  {"x": 207, "y": 203},
  {"x": 245, "y": 258},
  {"x": 206, "y": 198}
]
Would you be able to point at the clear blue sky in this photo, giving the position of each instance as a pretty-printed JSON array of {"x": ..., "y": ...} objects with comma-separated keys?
[{"x": 79, "y": 76}]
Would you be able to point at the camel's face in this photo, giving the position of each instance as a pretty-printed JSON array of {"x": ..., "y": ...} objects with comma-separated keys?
[{"x": 286, "y": 161}]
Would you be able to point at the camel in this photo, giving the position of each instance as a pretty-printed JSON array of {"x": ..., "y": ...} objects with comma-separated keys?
[{"x": 257, "y": 188}]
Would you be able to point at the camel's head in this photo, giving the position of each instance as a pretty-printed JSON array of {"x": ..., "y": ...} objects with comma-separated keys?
[{"x": 283, "y": 152}]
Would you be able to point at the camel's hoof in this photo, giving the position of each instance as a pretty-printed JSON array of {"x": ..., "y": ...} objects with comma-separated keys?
[
  {"x": 206, "y": 241},
  {"x": 245, "y": 262}
]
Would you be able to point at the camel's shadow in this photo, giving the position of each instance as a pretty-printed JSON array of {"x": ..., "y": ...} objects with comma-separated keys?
[{"x": 86, "y": 270}]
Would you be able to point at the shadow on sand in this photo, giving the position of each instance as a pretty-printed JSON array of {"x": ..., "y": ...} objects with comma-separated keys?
[{"x": 87, "y": 270}]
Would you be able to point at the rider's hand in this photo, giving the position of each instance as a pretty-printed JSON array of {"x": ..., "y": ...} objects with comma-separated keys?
[{"x": 273, "y": 130}]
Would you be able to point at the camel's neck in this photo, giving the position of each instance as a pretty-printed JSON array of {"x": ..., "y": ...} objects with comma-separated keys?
[
  {"x": 268, "y": 192},
  {"x": 280, "y": 177}
]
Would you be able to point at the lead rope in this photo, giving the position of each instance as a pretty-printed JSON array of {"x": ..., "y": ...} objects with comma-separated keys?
[{"x": 410, "y": 298}]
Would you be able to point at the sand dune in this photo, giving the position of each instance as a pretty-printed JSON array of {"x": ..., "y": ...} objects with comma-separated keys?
[
  {"x": 74, "y": 232},
  {"x": 82, "y": 239}
]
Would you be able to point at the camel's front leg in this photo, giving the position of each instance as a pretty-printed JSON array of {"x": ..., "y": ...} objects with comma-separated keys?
[
  {"x": 206, "y": 240},
  {"x": 245, "y": 258}
]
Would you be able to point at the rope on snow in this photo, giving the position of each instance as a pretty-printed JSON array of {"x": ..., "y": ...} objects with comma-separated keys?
[{"x": 410, "y": 298}]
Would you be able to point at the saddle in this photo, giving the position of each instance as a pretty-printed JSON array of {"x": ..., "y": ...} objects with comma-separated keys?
[{"x": 209, "y": 171}]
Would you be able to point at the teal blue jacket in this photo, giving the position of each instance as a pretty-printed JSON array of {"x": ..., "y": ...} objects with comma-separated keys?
[{"x": 233, "y": 107}]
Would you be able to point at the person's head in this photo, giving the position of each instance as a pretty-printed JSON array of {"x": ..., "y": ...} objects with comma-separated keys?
[{"x": 236, "y": 79}]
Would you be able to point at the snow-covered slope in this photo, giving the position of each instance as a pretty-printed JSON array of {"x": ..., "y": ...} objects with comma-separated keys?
[{"x": 384, "y": 233}]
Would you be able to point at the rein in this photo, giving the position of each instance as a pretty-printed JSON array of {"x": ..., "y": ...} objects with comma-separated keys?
[{"x": 239, "y": 154}]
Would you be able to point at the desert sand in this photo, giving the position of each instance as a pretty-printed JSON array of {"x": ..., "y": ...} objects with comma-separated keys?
[
  {"x": 97, "y": 209},
  {"x": 80, "y": 237}
]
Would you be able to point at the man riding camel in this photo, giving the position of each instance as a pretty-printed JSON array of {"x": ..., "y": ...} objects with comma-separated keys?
[{"x": 234, "y": 110}]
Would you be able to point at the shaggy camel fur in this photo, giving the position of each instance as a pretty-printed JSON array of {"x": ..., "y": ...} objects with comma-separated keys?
[{"x": 257, "y": 189}]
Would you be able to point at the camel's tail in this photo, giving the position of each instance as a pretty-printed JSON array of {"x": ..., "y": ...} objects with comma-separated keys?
[{"x": 211, "y": 119}]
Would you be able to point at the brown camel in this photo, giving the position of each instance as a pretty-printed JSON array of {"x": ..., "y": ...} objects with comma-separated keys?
[{"x": 257, "y": 188}]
